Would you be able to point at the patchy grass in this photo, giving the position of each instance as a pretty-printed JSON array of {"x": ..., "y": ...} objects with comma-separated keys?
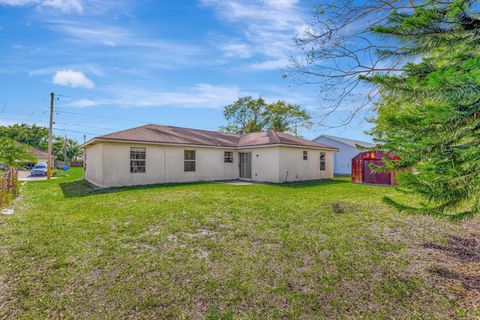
[{"x": 217, "y": 251}]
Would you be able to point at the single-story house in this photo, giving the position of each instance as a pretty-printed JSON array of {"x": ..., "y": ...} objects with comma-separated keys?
[
  {"x": 42, "y": 156},
  {"x": 347, "y": 150},
  {"x": 153, "y": 154}
]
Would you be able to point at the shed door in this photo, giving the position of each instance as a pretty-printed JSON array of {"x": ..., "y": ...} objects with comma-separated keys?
[
  {"x": 245, "y": 165},
  {"x": 374, "y": 178}
]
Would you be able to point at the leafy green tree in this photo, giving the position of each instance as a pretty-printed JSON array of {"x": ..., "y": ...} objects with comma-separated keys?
[
  {"x": 68, "y": 146},
  {"x": 285, "y": 117},
  {"x": 13, "y": 153},
  {"x": 37, "y": 137},
  {"x": 254, "y": 115},
  {"x": 32, "y": 135},
  {"x": 246, "y": 115},
  {"x": 428, "y": 114}
]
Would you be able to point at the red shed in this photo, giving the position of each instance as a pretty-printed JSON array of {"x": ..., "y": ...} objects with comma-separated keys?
[{"x": 362, "y": 173}]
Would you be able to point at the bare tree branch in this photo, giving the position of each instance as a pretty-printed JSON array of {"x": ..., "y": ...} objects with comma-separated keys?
[{"x": 338, "y": 48}]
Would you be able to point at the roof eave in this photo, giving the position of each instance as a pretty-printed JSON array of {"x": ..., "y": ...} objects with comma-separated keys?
[
  {"x": 99, "y": 140},
  {"x": 342, "y": 142}
]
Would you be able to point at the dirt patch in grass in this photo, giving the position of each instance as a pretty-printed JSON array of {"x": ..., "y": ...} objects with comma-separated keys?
[
  {"x": 460, "y": 257},
  {"x": 201, "y": 233},
  {"x": 462, "y": 249},
  {"x": 216, "y": 251},
  {"x": 470, "y": 280}
]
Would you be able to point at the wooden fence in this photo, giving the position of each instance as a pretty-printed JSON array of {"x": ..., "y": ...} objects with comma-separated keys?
[
  {"x": 78, "y": 163},
  {"x": 8, "y": 186}
]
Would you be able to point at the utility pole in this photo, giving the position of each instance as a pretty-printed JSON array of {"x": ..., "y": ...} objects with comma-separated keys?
[
  {"x": 50, "y": 129},
  {"x": 65, "y": 150}
]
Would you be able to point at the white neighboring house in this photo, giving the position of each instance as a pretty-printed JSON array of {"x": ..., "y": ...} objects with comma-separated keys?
[
  {"x": 163, "y": 154},
  {"x": 347, "y": 150}
]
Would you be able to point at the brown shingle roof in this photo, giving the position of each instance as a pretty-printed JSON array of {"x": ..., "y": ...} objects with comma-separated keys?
[
  {"x": 39, "y": 153},
  {"x": 274, "y": 137},
  {"x": 153, "y": 133}
]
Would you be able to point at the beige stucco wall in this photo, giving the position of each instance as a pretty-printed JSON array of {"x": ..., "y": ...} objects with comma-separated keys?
[
  {"x": 264, "y": 163},
  {"x": 108, "y": 165},
  {"x": 93, "y": 156},
  {"x": 292, "y": 167},
  {"x": 164, "y": 164}
]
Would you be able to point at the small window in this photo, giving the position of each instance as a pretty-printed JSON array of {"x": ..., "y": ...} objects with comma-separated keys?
[
  {"x": 322, "y": 161},
  {"x": 137, "y": 160},
  {"x": 189, "y": 160},
  {"x": 305, "y": 155},
  {"x": 228, "y": 156}
]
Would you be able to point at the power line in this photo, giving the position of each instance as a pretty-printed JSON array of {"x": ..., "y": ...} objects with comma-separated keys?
[
  {"x": 81, "y": 132},
  {"x": 16, "y": 119},
  {"x": 62, "y": 129},
  {"x": 38, "y": 107},
  {"x": 85, "y": 125},
  {"x": 101, "y": 116}
]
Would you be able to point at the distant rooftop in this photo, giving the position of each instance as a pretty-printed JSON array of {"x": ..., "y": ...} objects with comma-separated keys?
[
  {"x": 349, "y": 142},
  {"x": 39, "y": 153}
]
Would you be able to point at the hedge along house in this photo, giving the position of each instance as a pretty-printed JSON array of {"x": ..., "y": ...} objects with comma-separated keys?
[
  {"x": 163, "y": 154},
  {"x": 363, "y": 173}
]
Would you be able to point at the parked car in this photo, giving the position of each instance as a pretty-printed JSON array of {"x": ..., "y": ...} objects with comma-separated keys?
[{"x": 40, "y": 169}]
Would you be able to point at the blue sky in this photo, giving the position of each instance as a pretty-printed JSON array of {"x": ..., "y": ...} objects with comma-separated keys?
[{"x": 166, "y": 62}]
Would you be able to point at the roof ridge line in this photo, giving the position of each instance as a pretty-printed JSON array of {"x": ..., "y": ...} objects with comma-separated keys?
[
  {"x": 124, "y": 130},
  {"x": 214, "y": 131},
  {"x": 276, "y": 136}
]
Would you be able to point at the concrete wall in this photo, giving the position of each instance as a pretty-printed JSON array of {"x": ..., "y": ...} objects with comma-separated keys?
[
  {"x": 343, "y": 158},
  {"x": 293, "y": 168},
  {"x": 108, "y": 165},
  {"x": 94, "y": 156}
]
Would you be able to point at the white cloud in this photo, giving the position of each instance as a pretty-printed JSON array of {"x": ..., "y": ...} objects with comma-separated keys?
[
  {"x": 112, "y": 36},
  {"x": 72, "y": 78},
  {"x": 131, "y": 44},
  {"x": 92, "y": 33},
  {"x": 84, "y": 103},
  {"x": 62, "y": 5},
  {"x": 270, "y": 64},
  {"x": 237, "y": 50},
  {"x": 268, "y": 27},
  {"x": 200, "y": 95}
]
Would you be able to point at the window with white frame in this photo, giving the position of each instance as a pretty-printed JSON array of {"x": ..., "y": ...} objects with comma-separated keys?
[
  {"x": 322, "y": 161},
  {"x": 305, "y": 155},
  {"x": 137, "y": 160},
  {"x": 189, "y": 160},
  {"x": 228, "y": 156}
]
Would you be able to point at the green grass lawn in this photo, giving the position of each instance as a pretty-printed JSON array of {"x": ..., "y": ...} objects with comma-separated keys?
[{"x": 217, "y": 251}]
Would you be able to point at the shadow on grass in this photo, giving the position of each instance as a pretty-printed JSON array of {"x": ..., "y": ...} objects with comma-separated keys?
[
  {"x": 310, "y": 184},
  {"x": 82, "y": 188},
  {"x": 465, "y": 251}
]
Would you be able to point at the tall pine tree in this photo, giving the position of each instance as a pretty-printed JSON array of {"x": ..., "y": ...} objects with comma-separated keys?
[{"x": 429, "y": 114}]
